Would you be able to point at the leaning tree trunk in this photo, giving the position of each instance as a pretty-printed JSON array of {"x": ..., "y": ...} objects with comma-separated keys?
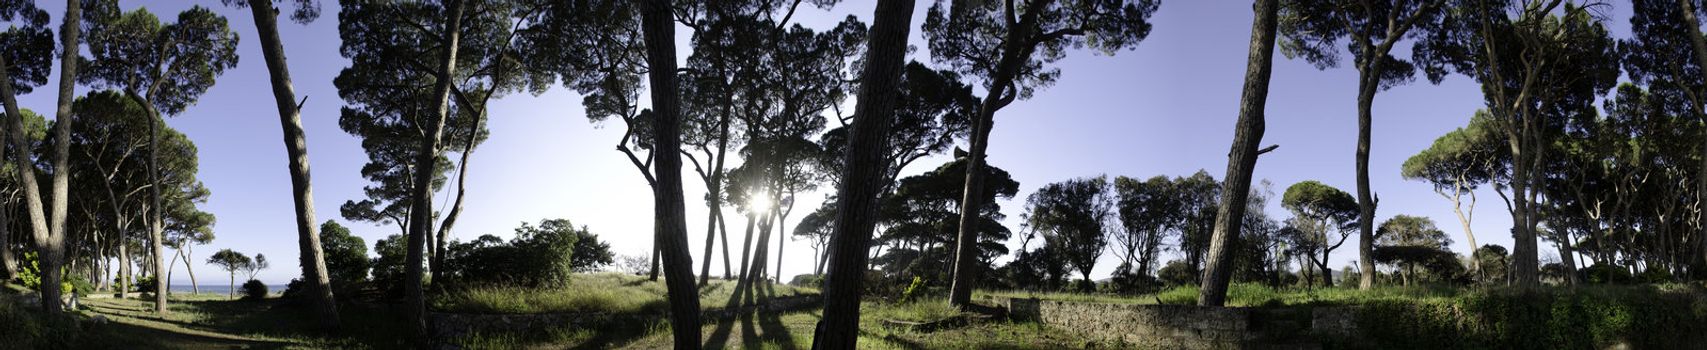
[
  {"x": 313, "y": 259},
  {"x": 658, "y": 28},
  {"x": 422, "y": 222},
  {"x": 1242, "y": 159},
  {"x": 856, "y": 214},
  {"x": 191, "y": 271}
]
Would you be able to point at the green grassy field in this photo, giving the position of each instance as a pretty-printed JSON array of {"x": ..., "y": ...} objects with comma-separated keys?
[{"x": 598, "y": 292}]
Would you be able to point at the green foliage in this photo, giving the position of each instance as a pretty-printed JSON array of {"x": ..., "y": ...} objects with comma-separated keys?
[
  {"x": 346, "y": 257},
  {"x": 1647, "y": 317},
  {"x": 388, "y": 267},
  {"x": 30, "y": 277},
  {"x": 145, "y": 285},
  {"x": 254, "y": 290},
  {"x": 543, "y": 255},
  {"x": 913, "y": 289},
  {"x": 1177, "y": 273},
  {"x": 1601, "y": 273}
]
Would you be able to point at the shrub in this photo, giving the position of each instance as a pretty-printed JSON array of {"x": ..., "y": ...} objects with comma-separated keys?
[
  {"x": 145, "y": 285},
  {"x": 1176, "y": 273},
  {"x": 813, "y": 281},
  {"x": 254, "y": 290},
  {"x": 347, "y": 264},
  {"x": 1606, "y": 274},
  {"x": 541, "y": 256}
]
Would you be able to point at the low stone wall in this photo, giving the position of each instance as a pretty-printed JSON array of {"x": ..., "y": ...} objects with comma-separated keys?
[
  {"x": 1188, "y": 326},
  {"x": 446, "y": 325}
]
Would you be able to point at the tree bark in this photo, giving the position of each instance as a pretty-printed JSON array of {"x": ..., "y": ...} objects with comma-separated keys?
[
  {"x": 312, "y": 257},
  {"x": 422, "y": 222},
  {"x": 1015, "y": 52},
  {"x": 1242, "y": 159},
  {"x": 156, "y": 221},
  {"x": 658, "y": 28},
  {"x": 1368, "y": 83},
  {"x": 856, "y": 214},
  {"x": 49, "y": 240},
  {"x": 188, "y": 270}
]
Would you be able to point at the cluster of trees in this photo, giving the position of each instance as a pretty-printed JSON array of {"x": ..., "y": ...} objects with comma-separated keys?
[
  {"x": 1618, "y": 187},
  {"x": 232, "y": 262},
  {"x": 123, "y": 185}
]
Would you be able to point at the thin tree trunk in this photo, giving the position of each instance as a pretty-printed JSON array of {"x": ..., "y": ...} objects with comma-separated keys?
[
  {"x": 747, "y": 247},
  {"x": 461, "y": 184},
  {"x": 656, "y": 250},
  {"x": 856, "y": 214},
  {"x": 1369, "y": 82},
  {"x": 1242, "y": 159},
  {"x": 233, "y": 286},
  {"x": 422, "y": 221},
  {"x": 723, "y": 228},
  {"x": 714, "y": 189},
  {"x": 188, "y": 270},
  {"x": 170, "y": 271},
  {"x": 658, "y": 28}
]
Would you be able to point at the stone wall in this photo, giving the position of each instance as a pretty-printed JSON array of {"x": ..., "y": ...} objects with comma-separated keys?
[{"x": 1187, "y": 326}]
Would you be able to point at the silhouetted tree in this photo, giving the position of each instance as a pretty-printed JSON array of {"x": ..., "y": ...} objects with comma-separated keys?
[
  {"x": 1074, "y": 216},
  {"x": 1008, "y": 47},
  {"x": 1411, "y": 240},
  {"x": 863, "y": 168},
  {"x": 1654, "y": 56}
]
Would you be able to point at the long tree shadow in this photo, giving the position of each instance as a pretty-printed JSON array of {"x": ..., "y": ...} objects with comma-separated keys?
[{"x": 774, "y": 330}]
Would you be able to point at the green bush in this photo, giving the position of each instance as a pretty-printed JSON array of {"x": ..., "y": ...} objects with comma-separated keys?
[
  {"x": 145, "y": 285},
  {"x": 1606, "y": 274},
  {"x": 1645, "y": 317},
  {"x": 254, "y": 290}
]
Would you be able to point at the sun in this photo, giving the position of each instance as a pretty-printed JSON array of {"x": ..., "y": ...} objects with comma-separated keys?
[{"x": 759, "y": 201}]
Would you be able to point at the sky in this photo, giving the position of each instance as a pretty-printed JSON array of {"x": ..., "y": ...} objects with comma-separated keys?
[{"x": 1166, "y": 107}]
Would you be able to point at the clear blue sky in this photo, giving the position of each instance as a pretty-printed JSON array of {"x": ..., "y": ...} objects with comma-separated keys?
[{"x": 1167, "y": 107}]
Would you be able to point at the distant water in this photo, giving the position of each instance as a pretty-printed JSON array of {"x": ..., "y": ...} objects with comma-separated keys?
[{"x": 222, "y": 288}]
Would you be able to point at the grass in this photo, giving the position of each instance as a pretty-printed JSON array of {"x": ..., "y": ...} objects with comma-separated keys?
[
  {"x": 1250, "y": 294},
  {"x": 213, "y": 322},
  {"x": 923, "y": 310},
  {"x": 600, "y": 292},
  {"x": 794, "y": 331}
]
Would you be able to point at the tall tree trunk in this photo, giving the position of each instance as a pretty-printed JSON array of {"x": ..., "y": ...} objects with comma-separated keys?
[
  {"x": 1369, "y": 81},
  {"x": 1242, "y": 159},
  {"x": 856, "y": 214},
  {"x": 658, "y": 28},
  {"x": 124, "y": 267},
  {"x": 1699, "y": 42},
  {"x": 156, "y": 221},
  {"x": 49, "y": 240},
  {"x": 170, "y": 271},
  {"x": 656, "y": 251},
  {"x": 746, "y": 253},
  {"x": 232, "y": 294},
  {"x": 756, "y": 271},
  {"x": 1014, "y": 53},
  {"x": 422, "y": 212}
]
